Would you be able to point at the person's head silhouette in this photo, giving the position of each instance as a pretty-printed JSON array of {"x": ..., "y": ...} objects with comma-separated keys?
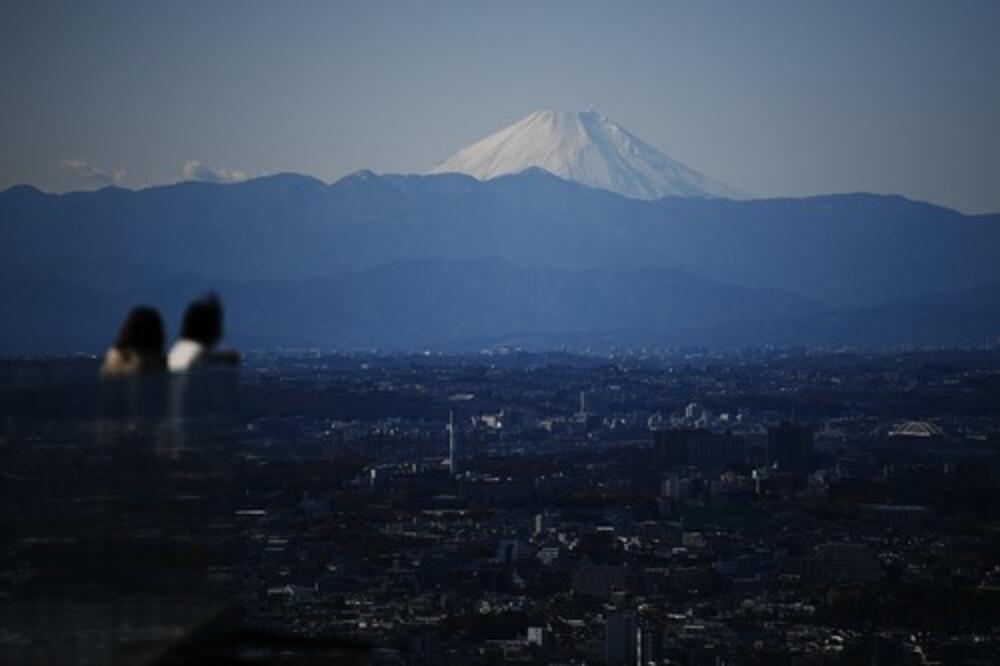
[
  {"x": 138, "y": 348},
  {"x": 203, "y": 321}
]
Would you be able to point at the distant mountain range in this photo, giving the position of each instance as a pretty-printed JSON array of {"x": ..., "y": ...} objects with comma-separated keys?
[{"x": 452, "y": 262}]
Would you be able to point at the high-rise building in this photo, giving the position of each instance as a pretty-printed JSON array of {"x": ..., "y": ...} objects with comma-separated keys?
[
  {"x": 599, "y": 580},
  {"x": 698, "y": 447},
  {"x": 542, "y": 521},
  {"x": 452, "y": 467},
  {"x": 790, "y": 447},
  {"x": 649, "y": 645},
  {"x": 672, "y": 446},
  {"x": 713, "y": 451},
  {"x": 621, "y": 638},
  {"x": 509, "y": 551}
]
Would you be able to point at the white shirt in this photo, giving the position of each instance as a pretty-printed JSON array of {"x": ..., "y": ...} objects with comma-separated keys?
[{"x": 184, "y": 355}]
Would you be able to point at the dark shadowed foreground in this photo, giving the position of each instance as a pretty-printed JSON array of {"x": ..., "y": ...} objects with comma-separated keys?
[{"x": 122, "y": 515}]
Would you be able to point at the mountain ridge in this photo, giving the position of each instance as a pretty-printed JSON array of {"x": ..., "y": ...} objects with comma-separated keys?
[
  {"x": 843, "y": 253},
  {"x": 287, "y": 226},
  {"x": 467, "y": 305}
]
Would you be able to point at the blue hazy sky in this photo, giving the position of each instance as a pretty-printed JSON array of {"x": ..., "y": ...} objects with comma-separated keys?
[{"x": 776, "y": 98}]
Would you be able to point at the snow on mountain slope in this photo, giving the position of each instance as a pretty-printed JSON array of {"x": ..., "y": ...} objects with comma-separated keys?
[{"x": 588, "y": 148}]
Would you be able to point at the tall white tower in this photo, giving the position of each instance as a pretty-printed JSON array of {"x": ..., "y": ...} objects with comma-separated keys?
[{"x": 451, "y": 442}]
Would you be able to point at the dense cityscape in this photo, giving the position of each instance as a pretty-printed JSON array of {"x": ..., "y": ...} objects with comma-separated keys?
[{"x": 669, "y": 508}]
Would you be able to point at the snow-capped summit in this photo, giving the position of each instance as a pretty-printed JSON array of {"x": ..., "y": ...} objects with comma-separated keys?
[{"x": 588, "y": 148}]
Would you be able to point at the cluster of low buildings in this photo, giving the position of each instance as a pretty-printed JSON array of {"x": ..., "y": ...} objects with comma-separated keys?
[
  {"x": 607, "y": 513},
  {"x": 537, "y": 509}
]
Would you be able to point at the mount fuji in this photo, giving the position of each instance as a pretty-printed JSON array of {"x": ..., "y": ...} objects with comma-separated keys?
[{"x": 588, "y": 148}]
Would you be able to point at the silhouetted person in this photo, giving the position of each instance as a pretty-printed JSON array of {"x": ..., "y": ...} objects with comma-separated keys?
[
  {"x": 139, "y": 347},
  {"x": 201, "y": 331}
]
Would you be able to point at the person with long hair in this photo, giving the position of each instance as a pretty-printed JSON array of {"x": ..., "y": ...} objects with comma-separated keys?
[{"x": 138, "y": 349}]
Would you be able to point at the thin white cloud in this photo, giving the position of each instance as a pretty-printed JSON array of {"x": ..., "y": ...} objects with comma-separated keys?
[
  {"x": 92, "y": 173},
  {"x": 197, "y": 170}
]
